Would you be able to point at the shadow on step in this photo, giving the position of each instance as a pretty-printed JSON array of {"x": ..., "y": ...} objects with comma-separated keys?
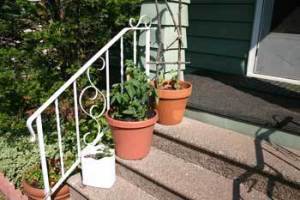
[
  {"x": 261, "y": 164},
  {"x": 254, "y": 176}
]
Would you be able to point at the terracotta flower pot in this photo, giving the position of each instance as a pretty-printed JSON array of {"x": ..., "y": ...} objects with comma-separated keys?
[
  {"x": 132, "y": 139},
  {"x": 38, "y": 194},
  {"x": 172, "y": 103}
]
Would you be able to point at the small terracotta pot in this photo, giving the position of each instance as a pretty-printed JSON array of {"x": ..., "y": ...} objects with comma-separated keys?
[
  {"x": 132, "y": 139},
  {"x": 38, "y": 194},
  {"x": 172, "y": 103}
]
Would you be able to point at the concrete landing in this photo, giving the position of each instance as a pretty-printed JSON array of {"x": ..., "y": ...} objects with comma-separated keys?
[{"x": 264, "y": 103}]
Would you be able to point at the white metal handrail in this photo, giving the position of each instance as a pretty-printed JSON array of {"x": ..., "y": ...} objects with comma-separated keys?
[{"x": 143, "y": 25}]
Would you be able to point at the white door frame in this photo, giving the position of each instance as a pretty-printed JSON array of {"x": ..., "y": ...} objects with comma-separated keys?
[{"x": 254, "y": 45}]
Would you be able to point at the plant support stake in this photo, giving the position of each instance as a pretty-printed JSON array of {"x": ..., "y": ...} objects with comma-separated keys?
[
  {"x": 179, "y": 39},
  {"x": 178, "y": 28}
]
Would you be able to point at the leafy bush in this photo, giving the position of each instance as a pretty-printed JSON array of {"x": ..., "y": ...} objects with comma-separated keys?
[
  {"x": 133, "y": 100},
  {"x": 33, "y": 175},
  {"x": 16, "y": 155},
  {"x": 41, "y": 45}
]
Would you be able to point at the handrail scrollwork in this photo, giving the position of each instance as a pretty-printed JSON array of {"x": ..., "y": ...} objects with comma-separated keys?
[
  {"x": 143, "y": 20},
  {"x": 91, "y": 111}
]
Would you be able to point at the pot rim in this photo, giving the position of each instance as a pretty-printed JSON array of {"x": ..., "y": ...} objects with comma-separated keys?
[
  {"x": 25, "y": 183},
  {"x": 131, "y": 124},
  {"x": 38, "y": 192},
  {"x": 176, "y": 94}
]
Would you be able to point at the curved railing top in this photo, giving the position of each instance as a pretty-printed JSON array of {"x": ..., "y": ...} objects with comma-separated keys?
[
  {"x": 143, "y": 20},
  {"x": 144, "y": 23}
]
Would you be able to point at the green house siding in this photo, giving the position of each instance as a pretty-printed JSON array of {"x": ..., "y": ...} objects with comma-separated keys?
[{"x": 219, "y": 35}]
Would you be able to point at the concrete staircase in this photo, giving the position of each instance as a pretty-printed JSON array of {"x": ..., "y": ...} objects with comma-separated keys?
[{"x": 195, "y": 160}]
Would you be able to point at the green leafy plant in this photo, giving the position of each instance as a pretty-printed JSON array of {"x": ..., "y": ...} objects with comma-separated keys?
[
  {"x": 91, "y": 126},
  {"x": 33, "y": 174},
  {"x": 16, "y": 156},
  {"x": 172, "y": 84},
  {"x": 106, "y": 152},
  {"x": 133, "y": 100}
]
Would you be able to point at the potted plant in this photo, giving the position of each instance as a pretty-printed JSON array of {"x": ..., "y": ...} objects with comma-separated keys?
[
  {"x": 98, "y": 162},
  {"x": 132, "y": 114},
  {"x": 173, "y": 94},
  {"x": 33, "y": 184}
]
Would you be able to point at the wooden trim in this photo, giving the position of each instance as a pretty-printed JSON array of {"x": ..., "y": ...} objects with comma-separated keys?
[{"x": 255, "y": 37}]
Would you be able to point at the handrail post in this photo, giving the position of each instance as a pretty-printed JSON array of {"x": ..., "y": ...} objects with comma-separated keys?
[
  {"x": 107, "y": 80},
  {"x": 75, "y": 96},
  {"x": 147, "y": 53},
  {"x": 122, "y": 61},
  {"x": 134, "y": 47},
  {"x": 61, "y": 154},
  {"x": 43, "y": 157}
]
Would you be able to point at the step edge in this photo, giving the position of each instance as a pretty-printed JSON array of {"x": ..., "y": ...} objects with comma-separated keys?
[
  {"x": 148, "y": 179},
  {"x": 79, "y": 191}
]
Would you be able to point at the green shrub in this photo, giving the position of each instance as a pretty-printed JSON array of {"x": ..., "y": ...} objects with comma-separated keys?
[
  {"x": 16, "y": 155},
  {"x": 41, "y": 46},
  {"x": 33, "y": 174}
]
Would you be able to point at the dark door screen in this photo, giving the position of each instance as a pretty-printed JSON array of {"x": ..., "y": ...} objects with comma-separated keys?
[{"x": 279, "y": 46}]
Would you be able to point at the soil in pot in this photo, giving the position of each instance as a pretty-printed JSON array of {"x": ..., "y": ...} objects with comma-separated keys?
[
  {"x": 34, "y": 193},
  {"x": 172, "y": 102},
  {"x": 132, "y": 138}
]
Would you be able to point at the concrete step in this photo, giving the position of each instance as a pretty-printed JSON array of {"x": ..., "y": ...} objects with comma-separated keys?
[
  {"x": 269, "y": 168},
  {"x": 168, "y": 177},
  {"x": 121, "y": 190}
]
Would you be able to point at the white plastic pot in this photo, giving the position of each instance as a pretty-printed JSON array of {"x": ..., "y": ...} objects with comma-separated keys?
[{"x": 97, "y": 173}]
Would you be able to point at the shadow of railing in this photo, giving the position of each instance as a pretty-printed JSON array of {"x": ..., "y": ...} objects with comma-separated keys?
[{"x": 261, "y": 164}]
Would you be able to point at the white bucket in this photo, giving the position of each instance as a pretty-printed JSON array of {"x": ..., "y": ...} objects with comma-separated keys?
[{"x": 97, "y": 173}]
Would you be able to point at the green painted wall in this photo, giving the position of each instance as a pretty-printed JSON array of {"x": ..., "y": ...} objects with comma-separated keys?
[{"x": 219, "y": 35}]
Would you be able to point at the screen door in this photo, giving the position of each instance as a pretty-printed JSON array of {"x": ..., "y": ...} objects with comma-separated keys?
[{"x": 277, "y": 53}]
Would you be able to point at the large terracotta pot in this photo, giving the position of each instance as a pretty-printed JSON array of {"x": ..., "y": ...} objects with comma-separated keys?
[
  {"x": 38, "y": 194},
  {"x": 172, "y": 103},
  {"x": 132, "y": 139}
]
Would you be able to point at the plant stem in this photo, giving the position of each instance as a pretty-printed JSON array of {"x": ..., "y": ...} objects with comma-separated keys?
[{"x": 159, "y": 51}]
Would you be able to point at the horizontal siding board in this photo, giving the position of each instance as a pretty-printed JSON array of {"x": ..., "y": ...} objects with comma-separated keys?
[
  {"x": 225, "y": 12},
  {"x": 216, "y": 63},
  {"x": 222, "y": 1},
  {"x": 240, "y": 31},
  {"x": 219, "y": 35},
  {"x": 223, "y": 47}
]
